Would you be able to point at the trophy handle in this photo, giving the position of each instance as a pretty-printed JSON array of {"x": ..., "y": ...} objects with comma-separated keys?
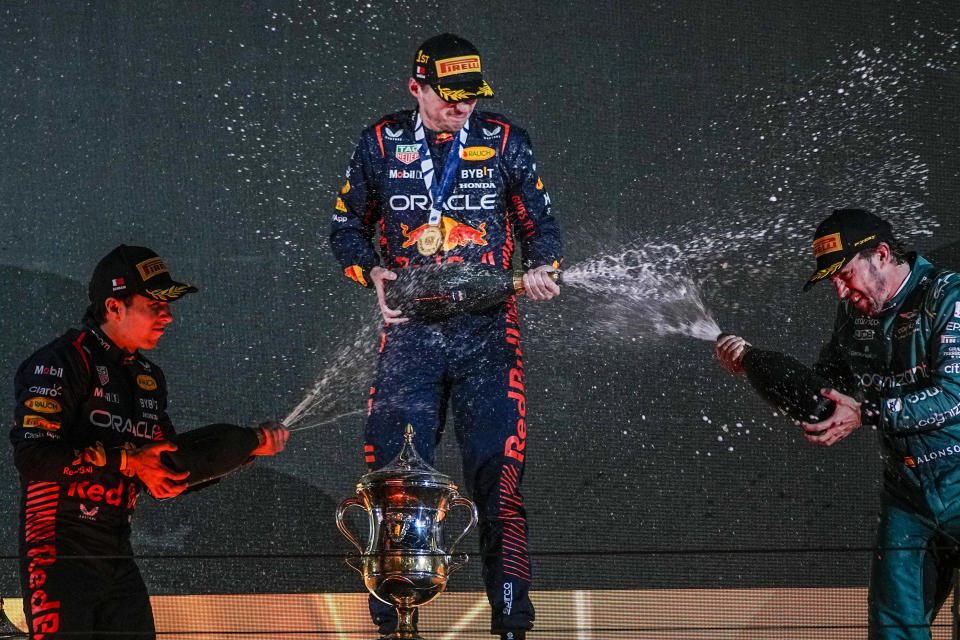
[
  {"x": 346, "y": 504},
  {"x": 460, "y": 501},
  {"x": 456, "y": 561}
]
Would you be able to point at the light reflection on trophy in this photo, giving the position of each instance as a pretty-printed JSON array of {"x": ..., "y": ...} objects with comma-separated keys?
[{"x": 404, "y": 563}]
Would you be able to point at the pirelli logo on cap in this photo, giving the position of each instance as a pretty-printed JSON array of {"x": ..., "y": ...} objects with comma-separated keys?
[
  {"x": 460, "y": 64},
  {"x": 867, "y": 239},
  {"x": 151, "y": 267},
  {"x": 827, "y": 244}
]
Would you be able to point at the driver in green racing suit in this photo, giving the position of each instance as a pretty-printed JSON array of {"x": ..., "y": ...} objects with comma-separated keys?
[{"x": 894, "y": 362}]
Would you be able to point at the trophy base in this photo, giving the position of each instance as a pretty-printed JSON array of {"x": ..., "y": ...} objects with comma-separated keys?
[{"x": 406, "y": 630}]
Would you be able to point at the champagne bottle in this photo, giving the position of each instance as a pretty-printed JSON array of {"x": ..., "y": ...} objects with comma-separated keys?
[
  {"x": 437, "y": 291},
  {"x": 211, "y": 452},
  {"x": 787, "y": 384}
]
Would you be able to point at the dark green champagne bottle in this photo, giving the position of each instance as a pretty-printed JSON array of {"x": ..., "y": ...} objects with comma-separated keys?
[
  {"x": 787, "y": 384},
  {"x": 437, "y": 291}
]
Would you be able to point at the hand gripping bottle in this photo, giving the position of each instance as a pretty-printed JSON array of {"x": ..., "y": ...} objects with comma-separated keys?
[{"x": 787, "y": 384}]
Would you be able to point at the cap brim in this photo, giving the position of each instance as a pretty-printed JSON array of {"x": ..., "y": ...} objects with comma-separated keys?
[
  {"x": 812, "y": 281},
  {"x": 169, "y": 291},
  {"x": 464, "y": 90},
  {"x": 824, "y": 273}
]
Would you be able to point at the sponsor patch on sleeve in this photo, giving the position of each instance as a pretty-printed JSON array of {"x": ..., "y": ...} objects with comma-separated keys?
[
  {"x": 39, "y": 422},
  {"x": 355, "y": 272},
  {"x": 42, "y": 405}
]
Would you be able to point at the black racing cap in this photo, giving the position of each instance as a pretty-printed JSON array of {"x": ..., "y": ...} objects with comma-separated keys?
[
  {"x": 842, "y": 236},
  {"x": 140, "y": 270},
  {"x": 451, "y": 65}
]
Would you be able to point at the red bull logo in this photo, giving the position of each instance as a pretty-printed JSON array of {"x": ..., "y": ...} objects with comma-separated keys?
[{"x": 455, "y": 234}]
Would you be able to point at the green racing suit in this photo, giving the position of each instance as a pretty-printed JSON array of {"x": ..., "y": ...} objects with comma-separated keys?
[{"x": 903, "y": 365}]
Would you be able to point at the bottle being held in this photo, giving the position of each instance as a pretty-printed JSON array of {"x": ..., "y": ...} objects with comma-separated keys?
[
  {"x": 437, "y": 291},
  {"x": 787, "y": 384}
]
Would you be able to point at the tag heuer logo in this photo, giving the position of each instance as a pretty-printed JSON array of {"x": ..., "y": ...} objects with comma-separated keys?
[{"x": 407, "y": 153}]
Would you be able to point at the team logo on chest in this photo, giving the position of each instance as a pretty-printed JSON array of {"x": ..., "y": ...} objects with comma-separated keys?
[{"x": 407, "y": 153}]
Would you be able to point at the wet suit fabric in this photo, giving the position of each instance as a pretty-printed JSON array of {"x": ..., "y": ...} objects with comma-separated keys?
[
  {"x": 472, "y": 362},
  {"x": 80, "y": 401},
  {"x": 904, "y": 366}
]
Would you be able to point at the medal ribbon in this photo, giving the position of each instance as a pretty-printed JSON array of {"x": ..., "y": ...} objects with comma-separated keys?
[{"x": 439, "y": 191}]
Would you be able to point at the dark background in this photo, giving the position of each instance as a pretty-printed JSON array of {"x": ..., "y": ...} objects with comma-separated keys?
[{"x": 703, "y": 139}]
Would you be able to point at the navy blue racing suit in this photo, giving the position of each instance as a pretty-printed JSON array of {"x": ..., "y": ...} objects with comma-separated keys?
[
  {"x": 903, "y": 365},
  {"x": 473, "y": 361},
  {"x": 80, "y": 402}
]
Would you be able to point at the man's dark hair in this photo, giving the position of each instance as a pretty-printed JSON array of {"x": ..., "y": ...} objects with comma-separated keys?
[
  {"x": 898, "y": 250},
  {"x": 96, "y": 313}
]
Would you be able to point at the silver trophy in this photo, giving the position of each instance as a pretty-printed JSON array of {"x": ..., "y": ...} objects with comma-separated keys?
[{"x": 404, "y": 563}]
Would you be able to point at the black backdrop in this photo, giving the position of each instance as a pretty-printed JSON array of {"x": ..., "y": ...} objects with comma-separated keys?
[{"x": 719, "y": 132}]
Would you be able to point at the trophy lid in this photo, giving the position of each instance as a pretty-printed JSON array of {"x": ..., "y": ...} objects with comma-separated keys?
[{"x": 406, "y": 467}]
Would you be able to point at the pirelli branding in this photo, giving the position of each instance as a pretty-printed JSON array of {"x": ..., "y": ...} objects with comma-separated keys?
[
  {"x": 827, "y": 244},
  {"x": 151, "y": 267},
  {"x": 460, "y": 64}
]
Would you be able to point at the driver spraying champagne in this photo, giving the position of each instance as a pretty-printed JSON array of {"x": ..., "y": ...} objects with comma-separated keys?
[
  {"x": 892, "y": 363},
  {"x": 445, "y": 183}
]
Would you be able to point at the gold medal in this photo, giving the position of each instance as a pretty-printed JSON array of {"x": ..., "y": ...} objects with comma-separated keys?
[{"x": 430, "y": 241}]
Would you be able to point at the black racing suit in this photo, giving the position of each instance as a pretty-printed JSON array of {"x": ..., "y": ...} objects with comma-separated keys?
[
  {"x": 472, "y": 361},
  {"x": 80, "y": 401}
]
